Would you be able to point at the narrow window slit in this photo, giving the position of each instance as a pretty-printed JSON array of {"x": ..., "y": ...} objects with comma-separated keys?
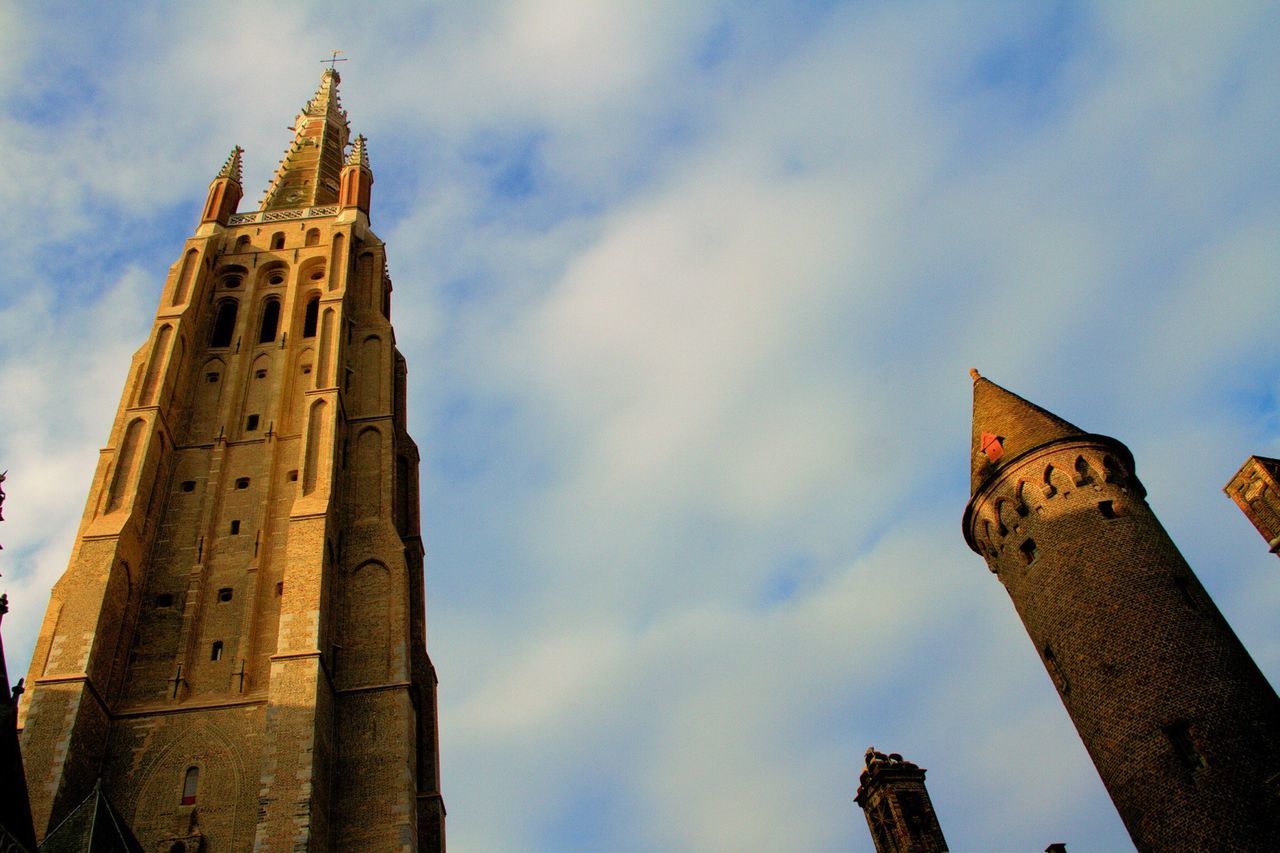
[
  {"x": 190, "y": 782},
  {"x": 1184, "y": 745},
  {"x": 1055, "y": 671},
  {"x": 1184, "y": 589},
  {"x": 310, "y": 317}
]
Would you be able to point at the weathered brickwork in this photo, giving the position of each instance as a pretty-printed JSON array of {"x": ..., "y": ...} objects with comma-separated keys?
[
  {"x": 238, "y": 644},
  {"x": 1255, "y": 488},
  {"x": 895, "y": 801},
  {"x": 1182, "y": 726}
]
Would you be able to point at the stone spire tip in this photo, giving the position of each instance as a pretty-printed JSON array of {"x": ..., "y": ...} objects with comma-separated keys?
[
  {"x": 232, "y": 169},
  {"x": 974, "y": 374},
  {"x": 359, "y": 155}
]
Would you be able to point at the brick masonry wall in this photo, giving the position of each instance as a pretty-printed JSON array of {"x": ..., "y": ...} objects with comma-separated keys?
[{"x": 1182, "y": 726}]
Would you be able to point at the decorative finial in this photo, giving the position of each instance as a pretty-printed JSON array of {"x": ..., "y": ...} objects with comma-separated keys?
[
  {"x": 359, "y": 155},
  {"x": 333, "y": 60},
  {"x": 231, "y": 168},
  {"x": 974, "y": 374}
]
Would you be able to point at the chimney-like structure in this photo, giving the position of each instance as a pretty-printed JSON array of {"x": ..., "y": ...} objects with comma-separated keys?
[
  {"x": 896, "y": 803},
  {"x": 1255, "y": 488}
]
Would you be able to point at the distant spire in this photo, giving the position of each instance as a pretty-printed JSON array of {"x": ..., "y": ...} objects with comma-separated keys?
[
  {"x": 1005, "y": 426},
  {"x": 231, "y": 168},
  {"x": 225, "y": 191},
  {"x": 308, "y": 174},
  {"x": 357, "y": 177},
  {"x": 325, "y": 100},
  {"x": 359, "y": 155}
]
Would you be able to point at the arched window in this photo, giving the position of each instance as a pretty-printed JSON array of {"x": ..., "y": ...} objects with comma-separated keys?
[
  {"x": 277, "y": 240},
  {"x": 309, "y": 319},
  {"x": 190, "y": 783},
  {"x": 242, "y": 243},
  {"x": 215, "y": 653},
  {"x": 313, "y": 237},
  {"x": 270, "y": 321},
  {"x": 224, "y": 325}
]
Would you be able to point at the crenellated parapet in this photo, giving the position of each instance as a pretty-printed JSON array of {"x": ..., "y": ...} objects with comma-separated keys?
[{"x": 1086, "y": 473}]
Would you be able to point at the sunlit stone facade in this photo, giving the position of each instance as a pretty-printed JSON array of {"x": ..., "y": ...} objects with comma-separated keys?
[{"x": 237, "y": 647}]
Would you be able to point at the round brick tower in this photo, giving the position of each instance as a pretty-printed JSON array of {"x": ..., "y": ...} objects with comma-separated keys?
[{"x": 1183, "y": 727}]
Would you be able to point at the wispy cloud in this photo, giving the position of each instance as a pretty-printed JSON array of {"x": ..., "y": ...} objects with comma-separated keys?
[{"x": 688, "y": 296}]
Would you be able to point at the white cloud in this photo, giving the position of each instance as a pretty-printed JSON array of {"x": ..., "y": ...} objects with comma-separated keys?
[{"x": 688, "y": 297}]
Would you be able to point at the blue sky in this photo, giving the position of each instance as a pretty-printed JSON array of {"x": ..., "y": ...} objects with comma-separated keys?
[{"x": 689, "y": 293}]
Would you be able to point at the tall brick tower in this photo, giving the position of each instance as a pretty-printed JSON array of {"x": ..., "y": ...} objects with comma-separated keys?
[
  {"x": 896, "y": 803},
  {"x": 1182, "y": 726},
  {"x": 237, "y": 647}
]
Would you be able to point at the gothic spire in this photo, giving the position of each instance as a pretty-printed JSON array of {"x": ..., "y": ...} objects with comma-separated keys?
[
  {"x": 1005, "y": 425},
  {"x": 308, "y": 174},
  {"x": 224, "y": 191},
  {"x": 231, "y": 169},
  {"x": 357, "y": 177},
  {"x": 359, "y": 155}
]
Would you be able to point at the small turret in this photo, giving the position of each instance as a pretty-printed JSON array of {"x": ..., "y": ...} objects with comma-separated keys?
[
  {"x": 896, "y": 803},
  {"x": 225, "y": 191},
  {"x": 357, "y": 178}
]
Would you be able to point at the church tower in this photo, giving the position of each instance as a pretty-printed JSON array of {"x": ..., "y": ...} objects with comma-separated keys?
[
  {"x": 1182, "y": 726},
  {"x": 237, "y": 647}
]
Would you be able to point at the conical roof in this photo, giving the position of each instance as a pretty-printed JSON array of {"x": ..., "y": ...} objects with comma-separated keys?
[
  {"x": 359, "y": 155},
  {"x": 1006, "y": 426},
  {"x": 231, "y": 170}
]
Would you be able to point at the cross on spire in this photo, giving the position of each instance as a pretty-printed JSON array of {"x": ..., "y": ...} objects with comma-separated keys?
[{"x": 333, "y": 60}]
